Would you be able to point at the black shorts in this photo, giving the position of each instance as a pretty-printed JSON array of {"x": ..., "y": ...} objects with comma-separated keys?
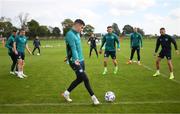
[
  {"x": 167, "y": 54},
  {"x": 21, "y": 55},
  {"x": 136, "y": 48},
  {"x": 111, "y": 53},
  {"x": 78, "y": 68},
  {"x": 13, "y": 56}
]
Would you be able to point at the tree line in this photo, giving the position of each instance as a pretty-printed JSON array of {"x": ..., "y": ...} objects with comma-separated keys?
[{"x": 34, "y": 28}]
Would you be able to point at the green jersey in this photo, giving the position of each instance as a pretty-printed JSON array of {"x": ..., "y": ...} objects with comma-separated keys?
[
  {"x": 110, "y": 41},
  {"x": 9, "y": 43},
  {"x": 73, "y": 46},
  {"x": 136, "y": 40},
  {"x": 21, "y": 42}
]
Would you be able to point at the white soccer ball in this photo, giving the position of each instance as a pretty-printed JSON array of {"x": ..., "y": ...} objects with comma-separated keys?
[
  {"x": 97, "y": 40},
  {"x": 89, "y": 43},
  {"x": 38, "y": 53},
  {"x": 109, "y": 96}
]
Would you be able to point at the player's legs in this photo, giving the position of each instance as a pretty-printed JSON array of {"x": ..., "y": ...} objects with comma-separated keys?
[
  {"x": 33, "y": 50},
  {"x": 20, "y": 68},
  {"x": 138, "y": 56},
  {"x": 14, "y": 62},
  {"x": 105, "y": 65},
  {"x": 113, "y": 56},
  {"x": 132, "y": 55},
  {"x": 39, "y": 50},
  {"x": 91, "y": 48},
  {"x": 170, "y": 65},
  {"x": 158, "y": 60},
  {"x": 96, "y": 51},
  {"x": 106, "y": 55},
  {"x": 81, "y": 76}
]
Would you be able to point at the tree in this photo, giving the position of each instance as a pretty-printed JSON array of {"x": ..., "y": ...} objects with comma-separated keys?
[
  {"x": 128, "y": 29},
  {"x": 88, "y": 30},
  {"x": 66, "y": 24},
  {"x": 33, "y": 26},
  {"x": 43, "y": 31},
  {"x": 6, "y": 28},
  {"x": 23, "y": 19},
  {"x": 140, "y": 31},
  {"x": 56, "y": 32},
  {"x": 116, "y": 29}
]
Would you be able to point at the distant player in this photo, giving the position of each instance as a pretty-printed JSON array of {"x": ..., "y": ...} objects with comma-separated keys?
[
  {"x": 110, "y": 39},
  {"x": 19, "y": 48},
  {"x": 76, "y": 60},
  {"x": 9, "y": 45},
  {"x": 2, "y": 40},
  {"x": 92, "y": 40},
  {"x": 136, "y": 45},
  {"x": 37, "y": 45},
  {"x": 165, "y": 41}
]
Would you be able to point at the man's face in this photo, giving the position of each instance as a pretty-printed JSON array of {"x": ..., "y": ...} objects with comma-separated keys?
[
  {"x": 162, "y": 32},
  {"x": 14, "y": 33},
  {"x": 79, "y": 27},
  {"x": 109, "y": 30},
  {"x": 22, "y": 33}
]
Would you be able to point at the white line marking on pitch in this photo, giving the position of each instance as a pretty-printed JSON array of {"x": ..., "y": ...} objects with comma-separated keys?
[{"x": 78, "y": 104}]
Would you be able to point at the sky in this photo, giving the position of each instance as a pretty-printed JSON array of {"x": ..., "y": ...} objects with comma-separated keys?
[{"x": 150, "y": 15}]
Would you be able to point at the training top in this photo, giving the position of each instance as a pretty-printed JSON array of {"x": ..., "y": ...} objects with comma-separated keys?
[
  {"x": 21, "y": 42},
  {"x": 110, "y": 40},
  {"x": 136, "y": 40},
  {"x": 9, "y": 43},
  {"x": 165, "y": 42},
  {"x": 73, "y": 46}
]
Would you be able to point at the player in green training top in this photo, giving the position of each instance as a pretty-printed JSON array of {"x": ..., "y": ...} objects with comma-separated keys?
[
  {"x": 9, "y": 45},
  {"x": 19, "y": 48},
  {"x": 136, "y": 44},
  {"x": 110, "y": 40},
  {"x": 76, "y": 60}
]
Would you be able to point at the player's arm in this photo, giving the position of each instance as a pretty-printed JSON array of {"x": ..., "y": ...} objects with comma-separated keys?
[
  {"x": 175, "y": 45},
  {"x": 14, "y": 48},
  {"x": 103, "y": 42},
  {"x": 71, "y": 42},
  {"x": 157, "y": 46},
  {"x": 8, "y": 43},
  {"x": 131, "y": 41},
  {"x": 117, "y": 41},
  {"x": 140, "y": 36},
  {"x": 28, "y": 49}
]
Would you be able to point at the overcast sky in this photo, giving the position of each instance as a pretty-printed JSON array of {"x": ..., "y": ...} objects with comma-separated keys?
[{"x": 147, "y": 14}]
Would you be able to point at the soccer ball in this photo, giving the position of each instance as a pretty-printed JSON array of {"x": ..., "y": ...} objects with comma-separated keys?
[
  {"x": 38, "y": 53},
  {"x": 89, "y": 43},
  {"x": 97, "y": 41},
  {"x": 109, "y": 96}
]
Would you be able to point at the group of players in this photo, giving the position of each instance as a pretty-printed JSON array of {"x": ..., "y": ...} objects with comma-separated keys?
[
  {"x": 16, "y": 45},
  {"x": 76, "y": 59}
]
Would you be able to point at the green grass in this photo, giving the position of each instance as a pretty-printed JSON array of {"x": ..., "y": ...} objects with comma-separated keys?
[{"x": 48, "y": 76}]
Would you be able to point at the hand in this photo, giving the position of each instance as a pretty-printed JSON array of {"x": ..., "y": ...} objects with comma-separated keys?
[
  {"x": 65, "y": 59},
  {"x": 100, "y": 51},
  {"x": 77, "y": 62},
  {"x": 177, "y": 52},
  {"x": 16, "y": 52},
  {"x": 30, "y": 52},
  {"x": 118, "y": 49}
]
